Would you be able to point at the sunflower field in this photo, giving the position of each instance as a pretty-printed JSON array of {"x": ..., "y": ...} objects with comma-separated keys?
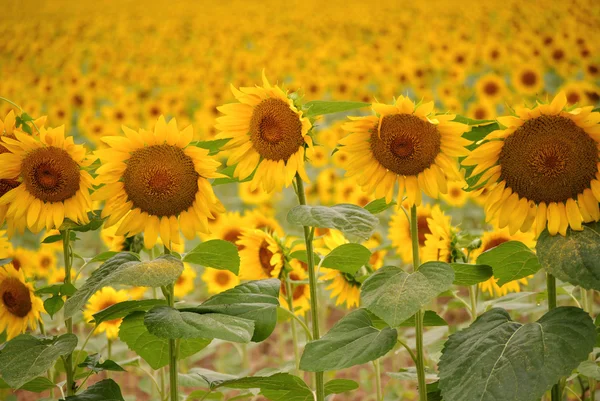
[{"x": 299, "y": 201}]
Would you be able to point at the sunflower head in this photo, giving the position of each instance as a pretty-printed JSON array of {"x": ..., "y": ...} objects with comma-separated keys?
[
  {"x": 261, "y": 256},
  {"x": 541, "y": 169},
  {"x": 101, "y": 300},
  {"x": 218, "y": 281},
  {"x": 406, "y": 144},
  {"x": 46, "y": 180},
  {"x": 157, "y": 183},
  {"x": 268, "y": 135},
  {"x": 19, "y": 307}
]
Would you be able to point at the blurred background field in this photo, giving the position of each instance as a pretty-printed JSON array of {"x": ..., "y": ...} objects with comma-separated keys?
[{"x": 94, "y": 66}]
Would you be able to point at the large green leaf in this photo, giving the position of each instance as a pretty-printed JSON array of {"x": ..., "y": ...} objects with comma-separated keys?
[
  {"x": 37, "y": 385},
  {"x": 352, "y": 341},
  {"x": 200, "y": 377},
  {"x": 574, "y": 257},
  {"x": 352, "y": 220},
  {"x": 216, "y": 253},
  {"x": 95, "y": 222},
  {"x": 430, "y": 319},
  {"x": 254, "y": 300},
  {"x": 394, "y": 295},
  {"x": 339, "y": 386},
  {"x": 278, "y": 387},
  {"x": 153, "y": 349},
  {"x": 167, "y": 322},
  {"x": 93, "y": 363},
  {"x": 105, "y": 390},
  {"x": 124, "y": 308},
  {"x": 378, "y": 206},
  {"x": 497, "y": 359},
  {"x": 468, "y": 274},
  {"x": 125, "y": 268},
  {"x": 25, "y": 357},
  {"x": 347, "y": 258},
  {"x": 510, "y": 261},
  {"x": 320, "y": 107}
]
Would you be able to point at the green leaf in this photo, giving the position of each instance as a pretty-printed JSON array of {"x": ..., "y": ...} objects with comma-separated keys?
[
  {"x": 352, "y": 341},
  {"x": 347, "y": 258},
  {"x": 468, "y": 274},
  {"x": 352, "y": 220},
  {"x": 51, "y": 289},
  {"x": 574, "y": 257},
  {"x": 153, "y": 349},
  {"x": 25, "y": 357},
  {"x": 102, "y": 257},
  {"x": 53, "y": 238},
  {"x": 203, "y": 395},
  {"x": 378, "y": 206},
  {"x": 95, "y": 223},
  {"x": 470, "y": 121},
  {"x": 216, "y": 253},
  {"x": 589, "y": 369},
  {"x": 213, "y": 147},
  {"x": 200, "y": 377},
  {"x": 319, "y": 107},
  {"x": 339, "y": 386},
  {"x": 5, "y": 261},
  {"x": 92, "y": 362},
  {"x": 278, "y": 387},
  {"x": 105, "y": 390},
  {"x": 53, "y": 305},
  {"x": 167, "y": 322},
  {"x": 394, "y": 295},
  {"x": 253, "y": 300},
  {"x": 68, "y": 289},
  {"x": 124, "y": 268},
  {"x": 430, "y": 319},
  {"x": 510, "y": 261},
  {"x": 303, "y": 256},
  {"x": 37, "y": 385},
  {"x": 497, "y": 359},
  {"x": 230, "y": 179},
  {"x": 124, "y": 308}
]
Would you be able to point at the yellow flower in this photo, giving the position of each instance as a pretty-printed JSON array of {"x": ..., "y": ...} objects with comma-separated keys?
[
  {"x": 438, "y": 243},
  {"x": 491, "y": 286},
  {"x": 261, "y": 256},
  {"x": 404, "y": 144},
  {"x": 101, "y": 300},
  {"x": 218, "y": 281},
  {"x": 268, "y": 134},
  {"x": 253, "y": 196},
  {"x": 6, "y": 248},
  {"x": 528, "y": 79},
  {"x": 112, "y": 241},
  {"x": 258, "y": 219},
  {"x": 542, "y": 169},
  {"x": 185, "y": 283},
  {"x": 456, "y": 197},
  {"x": 491, "y": 88},
  {"x": 157, "y": 184},
  {"x": 44, "y": 261},
  {"x": 52, "y": 182},
  {"x": 300, "y": 292},
  {"x": 19, "y": 307},
  {"x": 228, "y": 226},
  {"x": 399, "y": 231}
]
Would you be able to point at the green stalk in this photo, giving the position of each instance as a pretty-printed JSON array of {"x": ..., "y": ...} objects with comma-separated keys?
[
  {"x": 414, "y": 235},
  {"x": 551, "y": 289},
  {"x": 377, "y": 366},
  {"x": 312, "y": 277},
  {"x": 173, "y": 346},
  {"x": 68, "y": 322},
  {"x": 473, "y": 297},
  {"x": 290, "y": 301},
  {"x": 590, "y": 309}
]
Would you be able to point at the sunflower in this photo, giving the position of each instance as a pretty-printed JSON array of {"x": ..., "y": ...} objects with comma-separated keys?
[
  {"x": 19, "y": 307},
  {"x": 492, "y": 239},
  {"x": 490, "y": 88},
  {"x": 101, "y": 300},
  {"x": 228, "y": 227},
  {"x": 52, "y": 182},
  {"x": 157, "y": 184},
  {"x": 399, "y": 231},
  {"x": 113, "y": 242},
  {"x": 439, "y": 243},
  {"x": 542, "y": 169},
  {"x": 260, "y": 220},
  {"x": 261, "y": 256},
  {"x": 44, "y": 261},
  {"x": 23, "y": 260},
  {"x": 456, "y": 197},
  {"x": 528, "y": 79},
  {"x": 402, "y": 144},
  {"x": 218, "y": 281},
  {"x": 268, "y": 134},
  {"x": 185, "y": 283},
  {"x": 300, "y": 292},
  {"x": 253, "y": 196}
]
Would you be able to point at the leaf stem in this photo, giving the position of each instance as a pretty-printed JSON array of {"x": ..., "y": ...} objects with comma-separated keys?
[
  {"x": 314, "y": 305},
  {"x": 473, "y": 297},
  {"x": 410, "y": 351},
  {"x": 377, "y": 366},
  {"x": 297, "y": 319},
  {"x": 290, "y": 301},
  {"x": 414, "y": 235},
  {"x": 68, "y": 259}
]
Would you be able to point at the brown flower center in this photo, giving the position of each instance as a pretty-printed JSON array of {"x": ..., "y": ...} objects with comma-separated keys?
[
  {"x": 50, "y": 174},
  {"x": 264, "y": 256},
  {"x": 222, "y": 278},
  {"x": 549, "y": 159},
  {"x": 275, "y": 130},
  {"x": 491, "y": 88},
  {"x": 161, "y": 180},
  {"x": 16, "y": 297},
  {"x": 7, "y": 185},
  {"x": 406, "y": 144},
  {"x": 423, "y": 227},
  {"x": 494, "y": 242},
  {"x": 528, "y": 78}
]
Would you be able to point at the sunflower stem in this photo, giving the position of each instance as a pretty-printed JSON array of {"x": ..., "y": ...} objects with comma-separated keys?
[
  {"x": 314, "y": 305},
  {"x": 590, "y": 309},
  {"x": 290, "y": 301},
  {"x": 377, "y": 366},
  {"x": 414, "y": 235},
  {"x": 68, "y": 322},
  {"x": 473, "y": 297},
  {"x": 551, "y": 289}
]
